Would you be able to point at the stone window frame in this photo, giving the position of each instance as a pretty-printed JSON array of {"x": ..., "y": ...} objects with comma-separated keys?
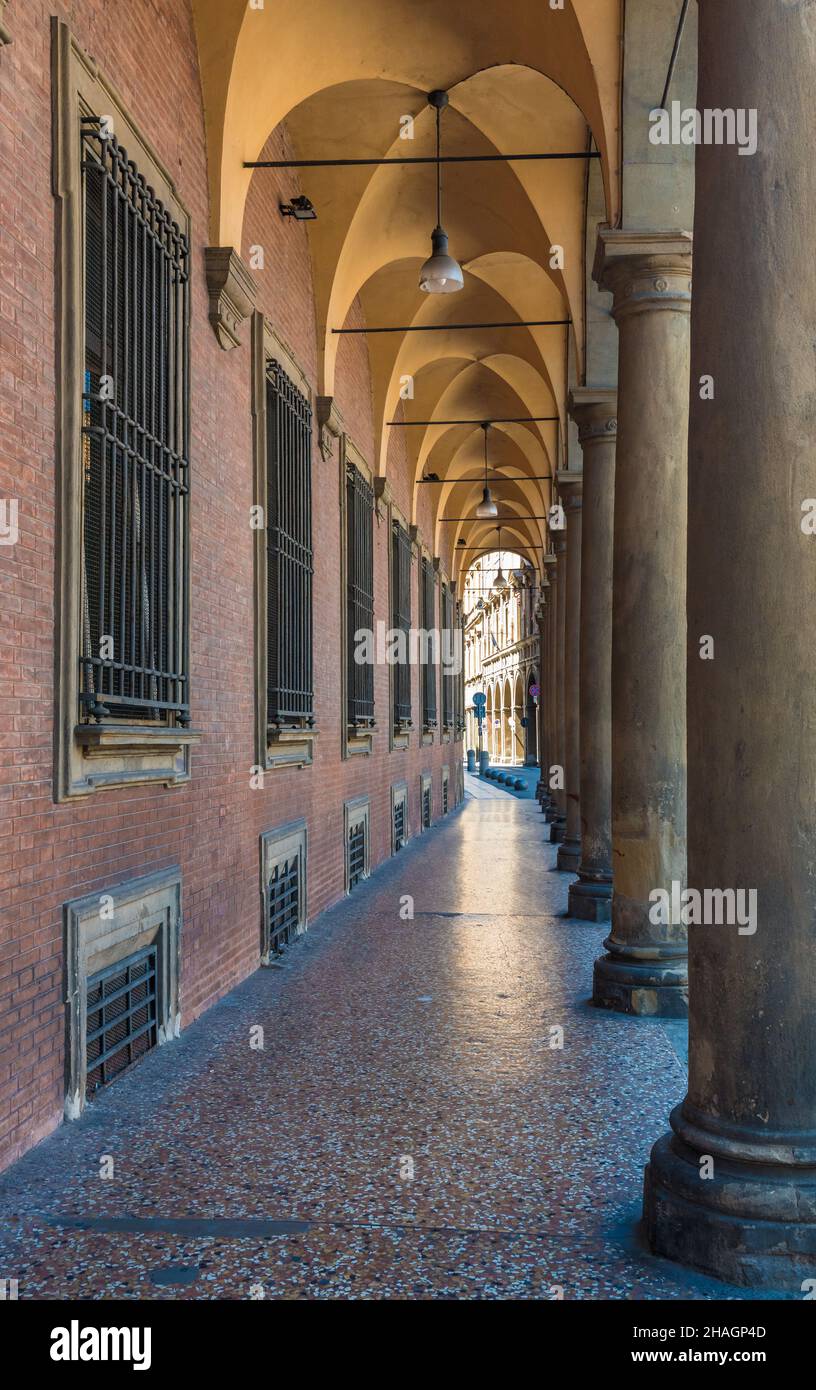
[
  {"x": 354, "y": 742},
  {"x": 138, "y": 913},
  {"x": 274, "y": 748},
  {"x": 399, "y": 793},
  {"x": 276, "y": 846},
  {"x": 356, "y": 811},
  {"x": 427, "y": 734},
  {"x": 425, "y": 784},
  {"x": 447, "y": 732},
  {"x": 91, "y": 757},
  {"x": 398, "y": 738},
  {"x": 461, "y": 718}
]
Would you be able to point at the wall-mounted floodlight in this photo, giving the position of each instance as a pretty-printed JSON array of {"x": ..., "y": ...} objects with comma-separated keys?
[{"x": 301, "y": 208}]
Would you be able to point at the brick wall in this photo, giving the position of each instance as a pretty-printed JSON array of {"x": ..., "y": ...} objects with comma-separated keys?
[{"x": 210, "y": 826}]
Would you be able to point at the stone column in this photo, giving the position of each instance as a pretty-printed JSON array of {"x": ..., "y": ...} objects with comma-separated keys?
[
  {"x": 548, "y": 804},
  {"x": 748, "y": 1215},
  {"x": 570, "y": 483},
  {"x": 541, "y": 620},
  {"x": 595, "y": 412},
  {"x": 559, "y": 738},
  {"x": 649, "y": 274}
]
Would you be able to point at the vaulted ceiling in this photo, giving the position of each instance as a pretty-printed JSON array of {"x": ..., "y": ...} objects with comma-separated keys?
[{"x": 522, "y": 78}]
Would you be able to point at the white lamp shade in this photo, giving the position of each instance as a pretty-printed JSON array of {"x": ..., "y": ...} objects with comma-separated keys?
[
  {"x": 441, "y": 274},
  {"x": 487, "y": 507}
]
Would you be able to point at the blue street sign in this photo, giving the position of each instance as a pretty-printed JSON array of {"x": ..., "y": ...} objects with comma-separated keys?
[{"x": 479, "y": 698}]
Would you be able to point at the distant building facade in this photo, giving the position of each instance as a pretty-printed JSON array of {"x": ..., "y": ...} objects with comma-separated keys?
[{"x": 502, "y": 658}]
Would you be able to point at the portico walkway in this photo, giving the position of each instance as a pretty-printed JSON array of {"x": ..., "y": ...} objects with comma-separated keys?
[{"x": 407, "y": 1112}]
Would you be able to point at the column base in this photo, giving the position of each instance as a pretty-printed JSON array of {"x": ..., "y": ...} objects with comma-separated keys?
[
  {"x": 743, "y": 1225},
  {"x": 569, "y": 856},
  {"x": 590, "y": 901},
  {"x": 557, "y": 829},
  {"x": 648, "y": 988}
]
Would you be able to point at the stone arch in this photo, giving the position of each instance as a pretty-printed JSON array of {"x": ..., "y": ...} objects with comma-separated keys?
[
  {"x": 519, "y": 713},
  {"x": 506, "y": 727},
  {"x": 531, "y": 712}
]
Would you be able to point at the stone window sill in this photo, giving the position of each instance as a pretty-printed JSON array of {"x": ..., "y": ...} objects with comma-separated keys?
[
  {"x": 359, "y": 740},
  {"x": 289, "y": 747},
  {"x": 115, "y": 755}
]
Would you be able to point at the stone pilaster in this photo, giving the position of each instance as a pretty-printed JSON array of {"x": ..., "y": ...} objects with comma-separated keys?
[
  {"x": 595, "y": 412},
  {"x": 570, "y": 483},
  {"x": 649, "y": 274},
  {"x": 733, "y": 1190}
]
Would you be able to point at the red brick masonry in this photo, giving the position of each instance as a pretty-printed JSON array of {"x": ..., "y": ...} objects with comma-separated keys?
[{"x": 210, "y": 826}]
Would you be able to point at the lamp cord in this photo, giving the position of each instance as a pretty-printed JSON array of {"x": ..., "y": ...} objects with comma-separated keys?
[{"x": 438, "y": 171}]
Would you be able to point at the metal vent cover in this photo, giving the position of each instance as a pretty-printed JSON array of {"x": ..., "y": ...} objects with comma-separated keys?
[
  {"x": 356, "y": 854},
  {"x": 121, "y": 1017},
  {"x": 283, "y": 906}
]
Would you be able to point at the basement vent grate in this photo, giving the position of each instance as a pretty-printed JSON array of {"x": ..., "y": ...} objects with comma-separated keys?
[
  {"x": 399, "y": 824},
  {"x": 283, "y": 918},
  {"x": 121, "y": 1017},
  {"x": 426, "y": 808},
  {"x": 356, "y": 854}
]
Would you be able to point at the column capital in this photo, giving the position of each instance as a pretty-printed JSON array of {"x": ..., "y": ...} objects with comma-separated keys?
[
  {"x": 595, "y": 411},
  {"x": 645, "y": 271},
  {"x": 550, "y": 563},
  {"x": 570, "y": 483}
]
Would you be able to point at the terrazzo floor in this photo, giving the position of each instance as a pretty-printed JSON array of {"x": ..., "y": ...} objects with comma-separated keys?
[{"x": 408, "y": 1129}]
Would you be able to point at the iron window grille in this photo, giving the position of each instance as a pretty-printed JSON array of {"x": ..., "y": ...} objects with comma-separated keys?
[
  {"x": 426, "y": 808},
  {"x": 401, "y": 622},
  {"x": 399, "y": 823},
  {"x": 134, "y": 657},
  {"x": 121, "y": 1013},
  {"x": 283, "y": 906},
  {"x": 448, "y": 679},
  {"x": 428, "y": 589},
  {"x": 289, "y": 674},
  {"x": 444, "y": 796},
  {"x": 359, "y": 595},
  {"x": 356, "y": 854}
]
